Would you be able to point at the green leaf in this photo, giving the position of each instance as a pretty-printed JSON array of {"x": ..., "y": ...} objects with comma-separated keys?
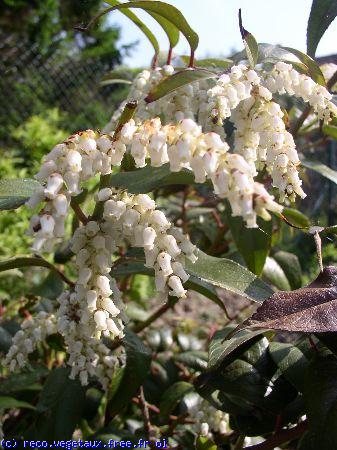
[
  {"x": 194, "y": 283},
  {"x": 168, "y": 12},
  {"x": 205, "y": 443},
  {"x": 291, "y": 362},
  {"x": 252, "y": 243},
  {"x": 177, "y": 80},
  {"x": 25, "y": 261},
  {"x": 172, "y": 396},
  {"x": 220, "y": 347},
  {"x": 296, "y": 217},
  {"x": 149, "y": 178},
  {"x": 322, "y": 13},
  {"x": 229, "y": 275},
  {"x": 60, "y": 405},
  {"x": 322, "y": 169},
  {"x": 132, "y": 16},
  {"x": 171, "y": 30},
  {"x": 138, "y": 361},
  {"x": 314, "y": 70},
  {"x": 208, "y": 63},
  {"x": 5, "y": 340},
  {"x": 320, "y": 396},
  {"x": 16, "y": 382},
  {"x": 251, "y": 46},
  {"x": 14, "y": 193},
  {"x": 194, "y": 359},
  {"x": 330, "y": 130},
  {"x": 10, "y": 402},
  {"x": 51, "y": 287},
  {"x": 274, "y": 273},
  {"x": 114, "y": 81},
  {"x": 291, "y": 267}
]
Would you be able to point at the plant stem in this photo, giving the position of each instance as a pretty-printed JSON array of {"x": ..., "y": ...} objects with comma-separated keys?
[
  {"x": 78, "y": 211},
  {"x": 158, "y": 313},
  {"x": 280, "y": 437},
  {"x": 147, "y": 423}
]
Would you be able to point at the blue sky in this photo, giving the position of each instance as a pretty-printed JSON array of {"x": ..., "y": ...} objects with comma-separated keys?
[{"x": 273, "y": 21}]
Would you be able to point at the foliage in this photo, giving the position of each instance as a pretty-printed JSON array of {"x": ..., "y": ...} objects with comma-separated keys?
[{"x": 124, "y": 329}]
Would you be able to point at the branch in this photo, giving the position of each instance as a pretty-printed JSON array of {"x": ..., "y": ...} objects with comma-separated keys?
[
  {"x": 281, "y": 437},
  {"x": 78, "y": 211},
  {"x": 160, "y": 311},
  {"x": 147, "y": 424}
]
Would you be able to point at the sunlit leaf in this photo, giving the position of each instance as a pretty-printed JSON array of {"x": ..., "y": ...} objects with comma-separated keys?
[
  {"x": 314, "y": 70},
  {"x": 274, "y": 273},
  {"x": 14, "y": 193},
  {"x": 322, "y": 169},
  {"x": 312, "y": 309},
  {"x": 322, "y": 13},
  {"x": 177, "y": 80},
  {"x": 251, "y": 46}
]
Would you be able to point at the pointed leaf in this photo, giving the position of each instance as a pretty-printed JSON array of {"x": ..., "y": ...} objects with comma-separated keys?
[
  {"x": 314, "y": 70},
  {"x": 312, "y": 309},
  {"x": 221, "y": 347},
  {"x": 322, "y": 169},
  {"x": 252, "y": 49},
  {"x": 252, "y": 243},
  {"x": 291, "y": 267},
  {"x": 229, "y": 275},
  {"x": 172, "y": 397},
  {"x": 210, "y": 63},
  {"x": 139, "y": 23},
  {"x": 330, "y": 130},
  {"x": 322, "y": 13},
  {"x": 147, "y": 179},
  {"x": 291, "y": 362},
  {"x": 10, "y": 402},
  {"x": 274, "y": 273},
  {"x": 171, "y": 30},
  {"x": 320, "y": 396},
  {"x": 138, "y": 361},
  {"x": 168, "y": 12},
  {"x": 14, "y": 193},
  {"x": 177, "y": 80}
]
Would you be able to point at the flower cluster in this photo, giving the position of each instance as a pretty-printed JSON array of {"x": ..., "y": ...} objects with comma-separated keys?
[
  {"x": 88, "y": 355},
  {"x": 33, "y": 332},
  {"x": 185, "y": 146},
  {"x": 283, "y": 78}
]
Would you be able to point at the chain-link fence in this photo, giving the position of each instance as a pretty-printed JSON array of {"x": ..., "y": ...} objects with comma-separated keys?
[{"x": 30, "y": 83}]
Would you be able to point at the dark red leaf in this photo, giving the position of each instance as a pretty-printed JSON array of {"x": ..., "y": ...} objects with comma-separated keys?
[{"x": 312, "y": 309}]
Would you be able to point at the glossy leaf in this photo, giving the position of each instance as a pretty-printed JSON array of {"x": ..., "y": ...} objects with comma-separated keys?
[
  {"x": 172, "y": 396},
  {"x": 22, "y": 381},
  {"x": 322, "y": 169},
  {"x": 291, "y": 267},
  {"x": 205, "y": 443},
  {"x": 312, "y": 309},
  {"x": 168, "y": 12},
  {"x": 320, "y": 395},
  {"x": 149, "y": 178},
  {"x": 314, "y": 70},
  {"x": 291, "y": 361},
  {"x": 194, "y": 359},
  {"x": 14, "y": 193},
  {"x": 139, "y": 23},
  {"x": 330, "y": 130},
  {"x": 221, "y": 347},
  {"x": 322, "y": 13},
  {"x": 170, "y": 29},
  {"x": 194, "y": 283},
  {"x": 60, "y": 406},
  {"x": 296, "y": 217},
  {"x": 251, "y": 46},
  {"x": 229, "y": 275},
  {"x": 10, "y": 402},
  {"x": 51, "y": 287},
  {"x": 138, "y": 360},
  {"x": 252, "y": 243},
  {"x": 274, "y": 273},
  {"x": 210, "y": 63},
  {"x": 177, "y": 80}
]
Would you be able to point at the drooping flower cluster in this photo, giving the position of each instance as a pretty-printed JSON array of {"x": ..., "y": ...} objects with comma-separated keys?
[
  {"x": 283, "y": 78},
  {"x": 33, "y": 332}
]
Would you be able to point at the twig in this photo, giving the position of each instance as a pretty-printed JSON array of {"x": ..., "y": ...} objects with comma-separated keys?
[
  {"x": 147, "y": 423},
  {"x": 78, "y": 211},
  {"x": 297, "y": 125},
  {"x": 281, "y": 437},
  {"x": 318, "y": 242},
  {"x": 158, "y": 313}
]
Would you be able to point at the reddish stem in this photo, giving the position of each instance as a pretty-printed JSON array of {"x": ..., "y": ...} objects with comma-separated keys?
[
  {"x": 169, "y": 56},
  {"x": 191, "y": 63},
  {"x": 154, "y": 61}
]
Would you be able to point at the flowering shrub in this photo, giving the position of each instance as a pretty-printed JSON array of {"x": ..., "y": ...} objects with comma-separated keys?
[{"x": 218, "y": 136}]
